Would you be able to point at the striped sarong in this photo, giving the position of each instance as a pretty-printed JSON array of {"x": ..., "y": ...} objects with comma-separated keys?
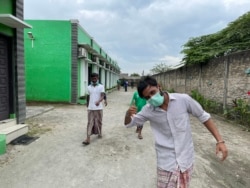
[
  {"x": 94, "y": 122},
  {"x": 176, "y": 179}
]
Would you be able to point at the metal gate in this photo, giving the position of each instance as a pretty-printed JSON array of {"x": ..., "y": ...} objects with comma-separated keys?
[{"x": 4, "y": 79}]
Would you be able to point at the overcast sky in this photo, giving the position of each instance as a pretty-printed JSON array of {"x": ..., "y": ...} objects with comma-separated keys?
[{"x": 139, "y": 34}]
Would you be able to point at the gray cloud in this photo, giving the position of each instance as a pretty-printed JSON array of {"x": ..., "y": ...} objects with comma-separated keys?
[{"x": 141, "y": 33}]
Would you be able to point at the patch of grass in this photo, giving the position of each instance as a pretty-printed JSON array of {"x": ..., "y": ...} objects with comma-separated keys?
[{"x": 35, "y": 130}]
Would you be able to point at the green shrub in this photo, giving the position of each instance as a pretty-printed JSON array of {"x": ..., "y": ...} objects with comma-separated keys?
[
  {"x": 171, "y": 90},
  {"x": 239, "y": 111}
]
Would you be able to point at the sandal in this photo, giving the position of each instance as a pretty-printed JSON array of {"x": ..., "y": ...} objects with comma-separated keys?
[
  {"x": 99, "y": 136},
  {"x": 140, "y": 137},
  {"x": 85, "y": 142}
]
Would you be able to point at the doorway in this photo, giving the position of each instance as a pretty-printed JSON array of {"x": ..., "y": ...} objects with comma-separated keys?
[{"x": 4, "y": 79}]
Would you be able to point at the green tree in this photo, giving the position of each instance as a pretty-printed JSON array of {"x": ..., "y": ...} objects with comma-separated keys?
[
  {"x": 159, "y": 68},
  {"x": 135, "y": 75},
  {"x": 235, "y": 37}
]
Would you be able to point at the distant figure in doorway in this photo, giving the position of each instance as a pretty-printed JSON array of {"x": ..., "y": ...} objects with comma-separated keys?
[
  {"x": 139, "y": 103},
  {"x": 95, "y": 108},
  {"x": 118, "y": 84},
  {"x": 132, "y": 84},
  {"x": 126, "y": 86}
]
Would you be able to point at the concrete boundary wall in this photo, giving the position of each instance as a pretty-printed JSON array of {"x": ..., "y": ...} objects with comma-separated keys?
[{"x": 222, "y": 79}]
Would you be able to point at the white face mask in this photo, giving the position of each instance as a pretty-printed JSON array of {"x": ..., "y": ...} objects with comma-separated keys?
[
  {"x": 156, "y": 100},
  {"x": 92, "y": 83}
]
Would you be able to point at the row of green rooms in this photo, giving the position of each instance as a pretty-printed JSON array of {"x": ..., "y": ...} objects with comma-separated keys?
[{"x": 59, "y": 57}]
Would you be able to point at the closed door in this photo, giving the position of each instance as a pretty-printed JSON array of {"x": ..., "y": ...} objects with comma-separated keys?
[
  {"x": 4, "y": 79},
  {"x": 83, "y": 78}
]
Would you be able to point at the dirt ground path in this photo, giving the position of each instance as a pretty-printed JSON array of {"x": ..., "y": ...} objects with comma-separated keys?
[{"x": 119, "y": 159}]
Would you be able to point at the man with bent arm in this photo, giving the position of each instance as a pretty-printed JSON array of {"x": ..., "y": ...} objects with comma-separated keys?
[{"x": 168, "y": 114}]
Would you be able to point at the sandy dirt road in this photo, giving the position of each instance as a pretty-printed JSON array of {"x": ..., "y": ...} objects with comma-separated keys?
[{"x": 119, "y": 159}]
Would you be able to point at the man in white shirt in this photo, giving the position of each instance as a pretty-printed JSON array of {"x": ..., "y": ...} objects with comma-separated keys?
[
  {"x": 168, "y": 114},
  {"x": 95, "y": 108}
]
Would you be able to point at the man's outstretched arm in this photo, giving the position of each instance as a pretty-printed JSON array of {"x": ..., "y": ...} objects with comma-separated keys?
[{"x": 220, "y": 145}]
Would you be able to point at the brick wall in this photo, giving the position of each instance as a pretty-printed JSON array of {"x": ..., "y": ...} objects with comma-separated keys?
[{"x": 221, "y": 79}]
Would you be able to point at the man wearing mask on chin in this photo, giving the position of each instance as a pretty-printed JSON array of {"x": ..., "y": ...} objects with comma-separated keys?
[
  {"x": 168, "y": 114},
  {"x": 95, "y": 108}
]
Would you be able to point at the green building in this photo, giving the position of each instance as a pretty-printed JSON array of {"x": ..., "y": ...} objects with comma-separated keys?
[
  {"x": 59, "y": 57},
  {"x": 12, "y": 72}
]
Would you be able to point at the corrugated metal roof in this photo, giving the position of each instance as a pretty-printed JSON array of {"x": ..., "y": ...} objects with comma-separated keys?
[{"x": 177, "y": 66}]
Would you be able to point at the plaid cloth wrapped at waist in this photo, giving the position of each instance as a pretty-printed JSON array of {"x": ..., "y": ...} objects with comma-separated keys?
[{"x": 176, "y": 179}]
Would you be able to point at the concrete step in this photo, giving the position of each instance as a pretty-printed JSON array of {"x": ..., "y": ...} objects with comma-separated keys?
[
  {"x": 14, "y": 132},
  {"x": 7, "y": 123}
]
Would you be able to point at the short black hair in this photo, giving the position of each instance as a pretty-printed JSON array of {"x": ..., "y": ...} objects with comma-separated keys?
[
  {"x": 144, "y": 83},
  {"x": 94, "y": 75}
]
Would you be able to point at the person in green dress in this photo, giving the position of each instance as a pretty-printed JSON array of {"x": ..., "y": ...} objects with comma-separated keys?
[{"x": 139, "y": 103}]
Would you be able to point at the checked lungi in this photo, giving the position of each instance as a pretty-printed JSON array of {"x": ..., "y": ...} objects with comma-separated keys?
[{"x": 176, "y": 179}]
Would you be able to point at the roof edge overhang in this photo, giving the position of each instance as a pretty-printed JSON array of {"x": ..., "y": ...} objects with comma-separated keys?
[
  {"x": 13, "y": 22},
  {"x": 88, "y": 48},
  {"x": 94, "y": 52}
]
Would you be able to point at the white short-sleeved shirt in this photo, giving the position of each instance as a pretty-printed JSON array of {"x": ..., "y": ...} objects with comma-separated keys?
[
  {"x": 95, "y": 95},
  {"x": 172, "y": 131}
]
